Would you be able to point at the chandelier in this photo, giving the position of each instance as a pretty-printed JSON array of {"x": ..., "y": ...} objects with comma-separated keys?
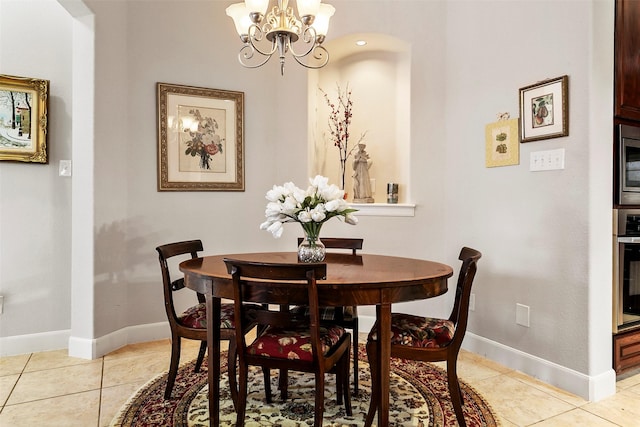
[{"x": 263, "y": 36}]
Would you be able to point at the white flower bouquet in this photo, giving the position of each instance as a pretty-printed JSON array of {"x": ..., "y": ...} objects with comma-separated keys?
[{"x": 311, "y": 208}]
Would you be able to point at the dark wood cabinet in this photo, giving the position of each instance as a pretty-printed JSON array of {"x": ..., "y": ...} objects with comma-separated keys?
[
  {"x": 626, "y": 344},
  {"x": 626, "y": 351},
  {"x": 627, "y": 60}
]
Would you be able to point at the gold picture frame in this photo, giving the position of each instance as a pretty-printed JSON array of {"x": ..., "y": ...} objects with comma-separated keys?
[
  {"x": 501, "y": 142},
  {"x": 544, "y": 109},
  {"x": 23, "y": 119},
  {"x": 200, "y": 138}
]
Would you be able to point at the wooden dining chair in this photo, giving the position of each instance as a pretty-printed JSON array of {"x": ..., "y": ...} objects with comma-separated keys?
[
  {"x": 431, "y": 340},
  {"x": 290, "y": 341},
  {"x": 347, "y": 317},
  {"x": 191, "y": 323}
]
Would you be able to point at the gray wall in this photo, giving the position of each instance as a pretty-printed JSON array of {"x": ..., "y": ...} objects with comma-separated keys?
[
  {"x": 545, "y": 235},
  {"x": 35, "y": 203}
]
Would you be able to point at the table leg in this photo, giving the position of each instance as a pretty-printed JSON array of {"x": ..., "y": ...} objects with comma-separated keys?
[
  {"x": 213, "y": 358},
  {"x": 383, "y": 315}
]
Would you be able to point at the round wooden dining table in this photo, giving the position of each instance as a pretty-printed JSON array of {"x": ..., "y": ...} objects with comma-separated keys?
[{"x": 351, "y": 280}]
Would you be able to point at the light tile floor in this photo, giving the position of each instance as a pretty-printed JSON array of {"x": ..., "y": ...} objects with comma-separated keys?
[{"x": 52, "y": 389}]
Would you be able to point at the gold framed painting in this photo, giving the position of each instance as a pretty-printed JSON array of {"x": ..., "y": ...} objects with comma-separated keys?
[
  {"x": 23, "y": 119},
  {"x": 200, "y": 139},
  {"x": 501, "y": 142},
  {"x": 544, "y": 109}
]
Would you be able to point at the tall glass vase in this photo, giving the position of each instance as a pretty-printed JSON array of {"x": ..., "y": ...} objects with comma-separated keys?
[{"x": 311, "y": 249}]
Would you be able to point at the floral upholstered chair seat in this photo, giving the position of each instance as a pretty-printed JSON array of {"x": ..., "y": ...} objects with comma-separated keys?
[
  {"x": 417, "y": 331},
  {"x": 293, "y": 344},
  {"x": 196, "y": 316}
]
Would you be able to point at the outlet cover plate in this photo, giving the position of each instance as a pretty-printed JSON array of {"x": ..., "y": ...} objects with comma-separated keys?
[{"x": 522, "y": 315}]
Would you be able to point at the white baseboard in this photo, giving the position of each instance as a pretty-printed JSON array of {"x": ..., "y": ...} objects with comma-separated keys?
[
  {"x": 85, "y": 348},
  {"x": 592, "y": 388},
  {"x": 32, "y": 343},
  {"x": 98, "y": 347}
]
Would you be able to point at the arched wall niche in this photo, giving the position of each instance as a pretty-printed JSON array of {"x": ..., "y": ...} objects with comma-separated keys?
[{"x": 378, "y": 76}]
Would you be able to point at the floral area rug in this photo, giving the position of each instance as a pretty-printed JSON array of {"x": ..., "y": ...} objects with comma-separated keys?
[{"x": 419, "y": 397}]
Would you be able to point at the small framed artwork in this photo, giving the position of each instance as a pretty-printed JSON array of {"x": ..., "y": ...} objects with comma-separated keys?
[
  {"x": 23, "y": 119},
  {"x": 200, "y": 139},
  {"x": 501, "y": 139},
  {"x": 544, "y": 110}
]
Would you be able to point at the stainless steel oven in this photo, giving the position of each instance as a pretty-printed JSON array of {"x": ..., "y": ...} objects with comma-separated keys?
[
  {"x": 626, "y": 287},
  {"x": 629, "y": 165}
]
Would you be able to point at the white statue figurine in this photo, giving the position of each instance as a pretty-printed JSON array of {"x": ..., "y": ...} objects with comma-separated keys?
[{"x": 361, "y": 183}]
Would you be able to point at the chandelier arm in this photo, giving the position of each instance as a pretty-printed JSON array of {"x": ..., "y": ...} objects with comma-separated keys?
[
  {"x": 256, "y": 48},
  {"x": 320, "y": 53},
  {"x": 256, "y": 35},
  {"x": 247, "y": 52},
  {"x": 308, "y": 37}
]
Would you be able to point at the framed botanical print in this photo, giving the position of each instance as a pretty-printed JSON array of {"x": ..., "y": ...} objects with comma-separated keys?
[
  {"x": 23, "y": 119},
  {"x": 544, "y": 110},
  {"x": 501, "y": 143},
  {"x": 200, "y": 139}
]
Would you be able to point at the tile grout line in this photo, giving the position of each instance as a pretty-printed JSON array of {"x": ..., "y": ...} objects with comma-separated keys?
[
  {"x": 101, "y": 389},
  {"x": 4, "y": 405}
]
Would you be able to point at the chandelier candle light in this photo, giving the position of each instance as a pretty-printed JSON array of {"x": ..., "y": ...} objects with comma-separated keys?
[
  {"x": 281, "y": 29},
  {"x": 311, "y": 208}
]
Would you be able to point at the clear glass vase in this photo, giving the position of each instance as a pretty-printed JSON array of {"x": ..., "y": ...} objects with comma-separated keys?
[{"x": 311, "y": 249}]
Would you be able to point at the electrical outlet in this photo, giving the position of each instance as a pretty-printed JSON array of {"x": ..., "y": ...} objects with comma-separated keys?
[
  {"x": 522, "y": 315},
  {"x": 472, "y": 302}
]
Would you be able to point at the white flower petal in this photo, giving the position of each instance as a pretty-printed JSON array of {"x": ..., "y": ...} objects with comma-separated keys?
[
  {"x": 336, "y": 205},
  {"x": 273, "y": 208},
  {"x": 304, "y": 216},
  {"x": 276, "y": 229},
  {"x": 318, "y": 214},
  {"x": 275, "y": 193},
  {"x": 331, "y": 192},
  {"x": 265, "y": 225},
  {"x": 319, "y": 181}
]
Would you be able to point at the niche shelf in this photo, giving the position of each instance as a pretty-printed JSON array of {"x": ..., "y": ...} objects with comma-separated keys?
[{"x": 384, "y": 209}]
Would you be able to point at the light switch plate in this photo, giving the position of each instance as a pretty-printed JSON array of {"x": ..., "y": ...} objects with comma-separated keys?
[
  {"x": 64, "y": 169},
  {"x": 546, "y": 160}
]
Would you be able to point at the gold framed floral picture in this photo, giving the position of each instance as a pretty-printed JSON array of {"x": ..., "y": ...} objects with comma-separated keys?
[
  {"x": 501, "y": 142},
  {"x": 544, "y": 109},
  {"x": 200, "y": 139},
  {"x": 23, "y": 119}
]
